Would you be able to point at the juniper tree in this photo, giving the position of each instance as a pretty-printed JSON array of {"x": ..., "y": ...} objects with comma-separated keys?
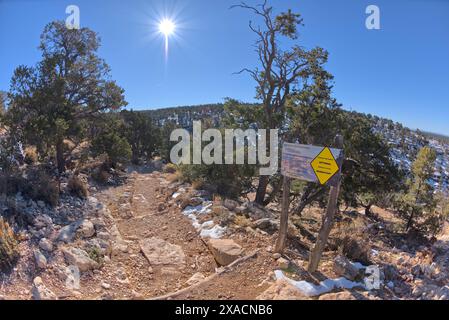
[
  {"x": 281, "y": 71},
  {"x": 64, "y": 92}
]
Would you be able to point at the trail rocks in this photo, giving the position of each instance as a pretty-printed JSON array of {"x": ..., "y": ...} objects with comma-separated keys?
[
  {"x": 225, "y": 251},
  {"x": 282, "y": 290},
  {"x": 79, "y": 258},
  {"x": 46, "y": 245},
  {"x": 265, "y": 224},
  {"x": 40, "y": 291},
  {"x": 86, "y": 229},
  {"x": 67, "y": 233},
  {"x": 345, "y": 295},
  {"x": 220, "y": 210},
  {"x": 196, "y": 278},
  {"x": 40, "y": 259},
  {"x": 230, "y": 204},
  {"x": 283, "y": 263},
  {"x": 343, "y": 267},
  {"x": 160, "y": 252},
  {"x": 258, "y": 212}
]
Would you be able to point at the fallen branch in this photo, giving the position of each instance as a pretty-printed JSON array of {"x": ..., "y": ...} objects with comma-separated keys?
[{"x": 208, "y": 279}]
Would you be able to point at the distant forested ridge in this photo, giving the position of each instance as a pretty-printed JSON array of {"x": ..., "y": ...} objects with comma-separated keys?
[{"x": 404, "y": 142}]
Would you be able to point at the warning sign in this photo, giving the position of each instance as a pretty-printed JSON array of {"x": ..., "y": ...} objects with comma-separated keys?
[
  {"x": 311, "y": 163},
  {"x": 325, "y": 166}
]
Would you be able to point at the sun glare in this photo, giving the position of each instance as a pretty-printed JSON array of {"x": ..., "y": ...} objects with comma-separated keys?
[{"x": 167, "y": 27}]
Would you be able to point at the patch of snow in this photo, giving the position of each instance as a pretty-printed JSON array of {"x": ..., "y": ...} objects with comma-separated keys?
[
  {"x": 207, "y": 229},
  {"x": 215, "y": 233},
  {"x": 311, "y": 290},
  {"x": 176, "y": 195}
]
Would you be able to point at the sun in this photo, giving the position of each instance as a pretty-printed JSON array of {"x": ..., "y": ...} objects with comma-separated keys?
[{"x": 167, "y": 27}]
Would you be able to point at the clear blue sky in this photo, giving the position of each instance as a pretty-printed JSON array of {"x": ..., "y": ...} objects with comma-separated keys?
[{"x": 400, "y": 72}]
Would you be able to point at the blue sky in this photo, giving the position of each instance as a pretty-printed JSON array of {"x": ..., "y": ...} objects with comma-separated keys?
[{"x": 399, "y": 72}]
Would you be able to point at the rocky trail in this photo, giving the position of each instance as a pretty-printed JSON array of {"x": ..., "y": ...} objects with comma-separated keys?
[
  {"x": 152, "y": 237},
  {"x": 165, "y": 252}
]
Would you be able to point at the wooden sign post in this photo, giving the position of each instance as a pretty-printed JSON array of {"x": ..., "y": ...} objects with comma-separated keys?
[{"x": 314, "y": 164}]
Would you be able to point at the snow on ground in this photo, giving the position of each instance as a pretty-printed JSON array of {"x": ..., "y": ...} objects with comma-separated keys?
[
  {"x": 207, "y": 229},
  {"x": 311, "y": 290}
]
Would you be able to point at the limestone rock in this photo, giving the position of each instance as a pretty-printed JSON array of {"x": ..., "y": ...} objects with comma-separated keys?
[
  {"x": 40, "y": 259},
  {"x": 160, "y": 252},
  {"x": 283, "y": 263},
  {"x": 258, "y": 212},
  {"x": 230, "y": 204},
  {"x": 86, "y": 229},
  {"x": 46, "y": 245},
  {"x": 282, "y": 290},
  {"x": 196, "y": 278},
  {"x": 344, "y": 268},
  {"x": 345, "y": 295},
  {"x": 40, "y": 291},
  {"x": 225, "y": 251},
  {"x": 79, "y": 258}
]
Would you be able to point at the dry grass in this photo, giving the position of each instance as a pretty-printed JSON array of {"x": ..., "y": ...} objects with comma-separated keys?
[
  {"x": 170, "y": 168},
  {"x": 198, "y": 184},
  {"x": 78, "y": 187},
  {"x": 242, "y": 221},
  {"x": 31, "y": 155},
  {"x": 349, "y": 239},
  {"x": 9, "y": 252}
]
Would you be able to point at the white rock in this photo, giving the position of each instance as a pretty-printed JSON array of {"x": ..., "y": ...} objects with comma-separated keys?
[
  {"x": 79, "y": 258},
  {"x": 40, "y": 291},
  {"x": 86, "y": 229},
  {"x": 41, "y": 261},
  {"x": 161, "y": 252},
  {"x": 46, "y": 245}
]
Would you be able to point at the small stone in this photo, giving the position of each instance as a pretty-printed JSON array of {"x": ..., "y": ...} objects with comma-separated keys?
[
  {"x": 277, "y": 256},
  {"x": 161, "y": 207},
  {"x": 46, "y": 245},
  {"x": 225, "y": 251},
  {"x": 41, "y": 261},
  {"x": 283, "y": 263},
  {"x": 86, "y": 229},
  {"x": 196, "y": 278},
  {"x": 40, "y": 291},
  {"x": 106, "y": 286},
  {"x": 344, "y": 268},
  {"x": 230, "y": 204},
  {"x": 79, "y": 258}
]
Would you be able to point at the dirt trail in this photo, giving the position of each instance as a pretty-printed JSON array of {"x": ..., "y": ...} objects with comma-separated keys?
[{"x": 142, "y": 210}]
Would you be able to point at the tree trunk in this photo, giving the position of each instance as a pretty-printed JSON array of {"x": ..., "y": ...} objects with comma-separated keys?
[
  {"x": 368, "y": 210},
  {"x": 283, "y": 227},
  {"x": 262, "y": 189},
  {"x": 410, "y": 221},
  {"x": 60, "y": 161}
]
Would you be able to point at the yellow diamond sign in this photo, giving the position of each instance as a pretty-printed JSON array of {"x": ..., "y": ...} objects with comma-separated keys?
[{"x": 325, "y": 166}]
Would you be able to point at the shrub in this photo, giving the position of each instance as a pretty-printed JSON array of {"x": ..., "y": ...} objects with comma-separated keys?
[
  {"x": 96, "y": 255},
  {"x": 170, "y": 168},
  {"x": 111, "y": 144},
  {"x": 42, "y": 187},
  {"x": 230, "y": 180},
  {"x": 349, "y": 241},
  {"x": 198, "y": 184},
  {"x": 37, "y": 186},
  {"x": 31, "y": 156},
  {"x": 9, "y": 252},
  {"x": 78, "y": 187},
  {"x": 101, "y": 174}
]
